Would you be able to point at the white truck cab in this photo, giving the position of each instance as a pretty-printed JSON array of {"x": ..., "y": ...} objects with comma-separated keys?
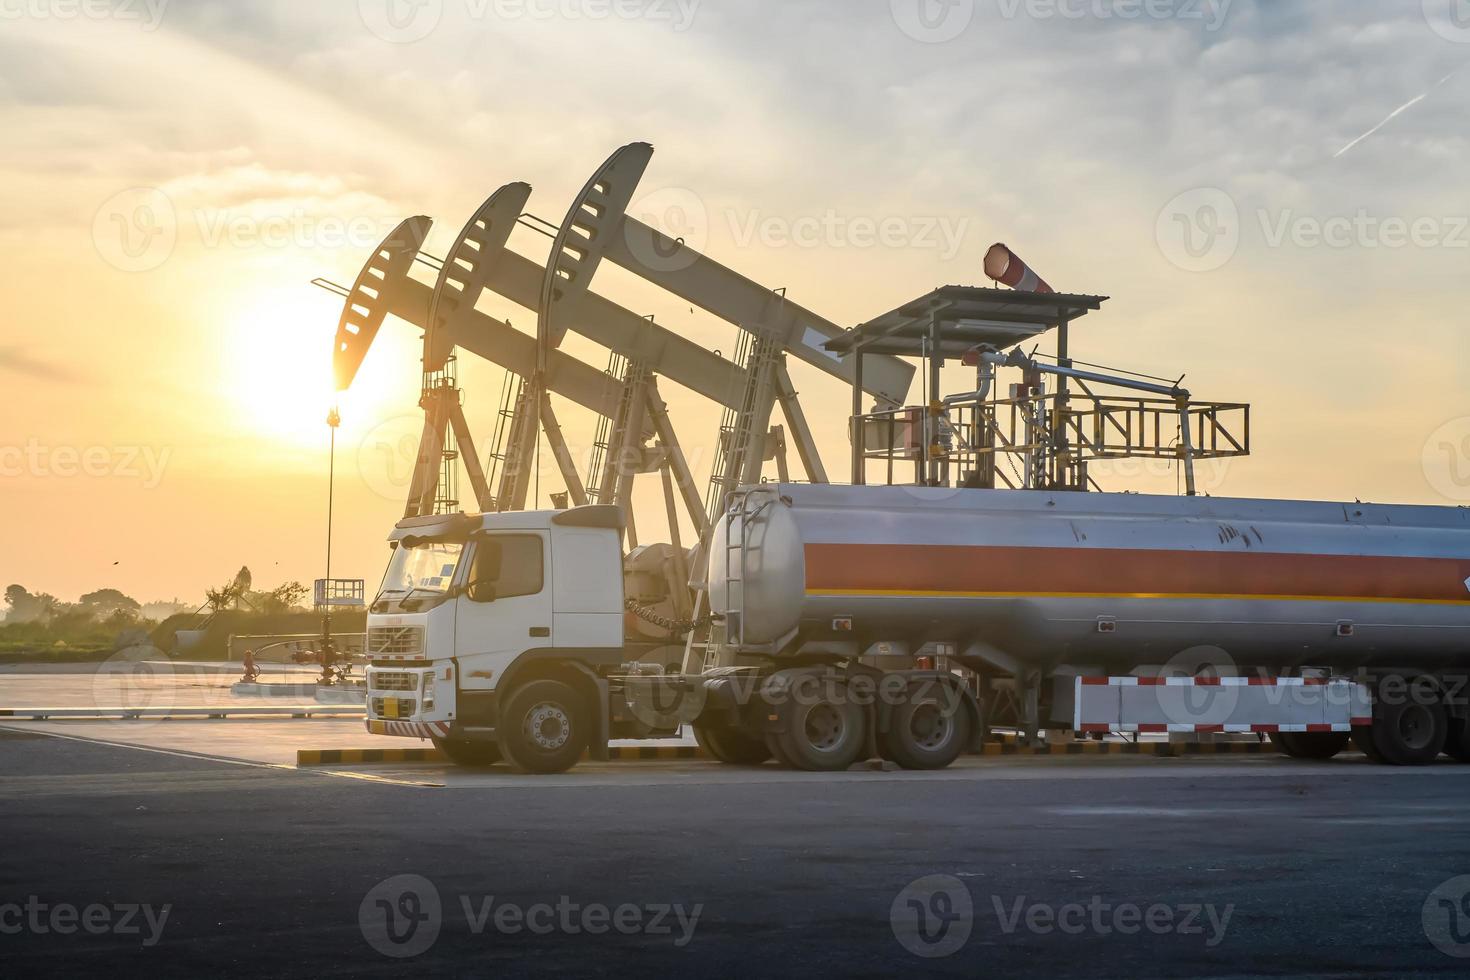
[{"x": 470, "y": 601}]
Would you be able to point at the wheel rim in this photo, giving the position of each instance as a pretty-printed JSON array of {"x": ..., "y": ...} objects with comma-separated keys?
[
  {"x": 548, "y": 726},
  {"x": 929, "y": 727},
  {"x": 825, "y": 727},
  {"x": 1416, "y": 727}
]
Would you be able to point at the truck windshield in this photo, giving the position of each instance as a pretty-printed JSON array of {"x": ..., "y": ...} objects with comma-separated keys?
[{"x": 425, "y": 568}]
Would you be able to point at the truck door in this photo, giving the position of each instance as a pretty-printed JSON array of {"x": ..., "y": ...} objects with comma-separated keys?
[{"x": 506, "y": 606}]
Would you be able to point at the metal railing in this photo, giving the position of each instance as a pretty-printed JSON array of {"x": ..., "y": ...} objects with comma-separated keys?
[{"x": 1046, "y": 440}]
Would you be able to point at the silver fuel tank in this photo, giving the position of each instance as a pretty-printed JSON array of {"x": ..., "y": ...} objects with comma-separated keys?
[{"x": 1108, "y": 579}]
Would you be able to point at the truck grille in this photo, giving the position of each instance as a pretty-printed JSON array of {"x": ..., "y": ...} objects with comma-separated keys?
[
  {"x": 393, "y": 707},
  {"x": 395, "y": 641},
  {"x": 387, "y": 680}
]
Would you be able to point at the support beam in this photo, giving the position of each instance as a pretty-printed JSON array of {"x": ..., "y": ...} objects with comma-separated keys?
[
  {"x": 520, "y": 450},
  {"x": 500, "y": 343},
  {"x": 801, "y": 432},
  {"x": 664, "y": 352},
  {"x": 679, "y": 466},
  {"x": 425, "y": 479},
  {"x": 730, "y": 296},
  {"x": 564, "y": 461},
  {"x": 679, "y": 574},
  {"x": 470, "y": 457},
  {"x": 629, "y": 459}
]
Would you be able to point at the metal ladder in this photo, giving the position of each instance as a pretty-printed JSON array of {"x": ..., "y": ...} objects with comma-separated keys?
[
  {"x": 602, "y": 438},
  {"x": 760, "y": 357},
  {"x": 739, "y": 509},
  {"x": 511, "y": 394}
]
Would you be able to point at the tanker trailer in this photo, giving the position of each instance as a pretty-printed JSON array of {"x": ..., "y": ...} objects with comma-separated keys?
[{"x": 1062, "y": 585}]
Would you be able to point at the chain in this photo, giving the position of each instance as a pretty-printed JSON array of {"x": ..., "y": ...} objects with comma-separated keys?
[{"x": 677, "y": 626}]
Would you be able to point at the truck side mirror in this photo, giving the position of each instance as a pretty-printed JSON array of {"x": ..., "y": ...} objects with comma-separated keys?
[{"x": 485, "y": 572}]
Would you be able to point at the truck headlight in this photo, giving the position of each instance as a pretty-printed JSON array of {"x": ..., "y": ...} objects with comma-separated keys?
[{"x": 428, "y": 701}]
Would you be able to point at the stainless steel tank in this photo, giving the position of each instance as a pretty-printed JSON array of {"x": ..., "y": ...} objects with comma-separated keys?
[{"x": 1107, "y": 579}]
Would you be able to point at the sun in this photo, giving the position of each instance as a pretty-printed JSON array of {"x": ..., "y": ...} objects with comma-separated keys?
[{"x": 279, "y": 370}]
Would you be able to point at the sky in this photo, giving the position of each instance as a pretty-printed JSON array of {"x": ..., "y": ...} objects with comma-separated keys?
[{"x": 1271, "y": 192}]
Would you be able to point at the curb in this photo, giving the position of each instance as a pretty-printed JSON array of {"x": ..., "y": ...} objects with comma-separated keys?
[
  {"x": 165, "y": 714},
  {"x": 670, "y": 753},
  {"x": 361, "y": 757},
  {"x": 1132, "y": 748}
]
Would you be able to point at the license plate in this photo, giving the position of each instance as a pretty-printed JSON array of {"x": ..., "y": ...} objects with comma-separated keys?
[{"x": 390, "y": 707}]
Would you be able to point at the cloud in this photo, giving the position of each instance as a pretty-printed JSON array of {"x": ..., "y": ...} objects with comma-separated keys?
[{"x": 19, "y": 360}]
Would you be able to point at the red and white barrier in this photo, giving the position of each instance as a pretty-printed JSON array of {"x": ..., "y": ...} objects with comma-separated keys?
[{"x": 1220, "y": 704}]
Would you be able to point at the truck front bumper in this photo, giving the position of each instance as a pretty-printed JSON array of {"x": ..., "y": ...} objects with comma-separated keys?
[{"x": 411, "y": 702}]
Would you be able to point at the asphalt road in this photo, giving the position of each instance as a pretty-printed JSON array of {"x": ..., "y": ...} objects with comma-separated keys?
[{"x": 126, "y": 862}]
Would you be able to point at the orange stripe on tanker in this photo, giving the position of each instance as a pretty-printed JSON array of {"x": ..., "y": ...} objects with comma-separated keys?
[{"x": 978, "y": 570}]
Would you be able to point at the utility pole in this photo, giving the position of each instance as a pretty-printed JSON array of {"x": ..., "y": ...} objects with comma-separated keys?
[{"x": 328, "y": 654}]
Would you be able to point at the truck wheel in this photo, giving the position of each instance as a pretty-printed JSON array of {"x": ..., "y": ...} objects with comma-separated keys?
[
  {"x": 778, "y": 752},
  {"x": 1409, "y": 734},
  {"x": 731, "y": 746},
  {"x": 474, "y": 755},
  {"x": 921, "y": 736},
  {"x": 1310, "y": 745},
  {"x": 1457, "y": 745},
  {"x": 544, "y": 728},
  {"x": 823, "y": 736}
]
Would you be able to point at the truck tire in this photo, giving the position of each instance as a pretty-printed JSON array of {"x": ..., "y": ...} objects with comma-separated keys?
[
  {"x": 544, "y": 728},
  {"x": 731, "y": 746},
  {"x": 778, "y": 752},
  {"x": 1457, "y": 744},
  {"x": 1409, "y": 734},
  {"x": 1310, "y": 745},
  {"x": 921, "y": 736},
  {"x": 472, "y": 755},
  {"x": 826, "y": 735}
]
